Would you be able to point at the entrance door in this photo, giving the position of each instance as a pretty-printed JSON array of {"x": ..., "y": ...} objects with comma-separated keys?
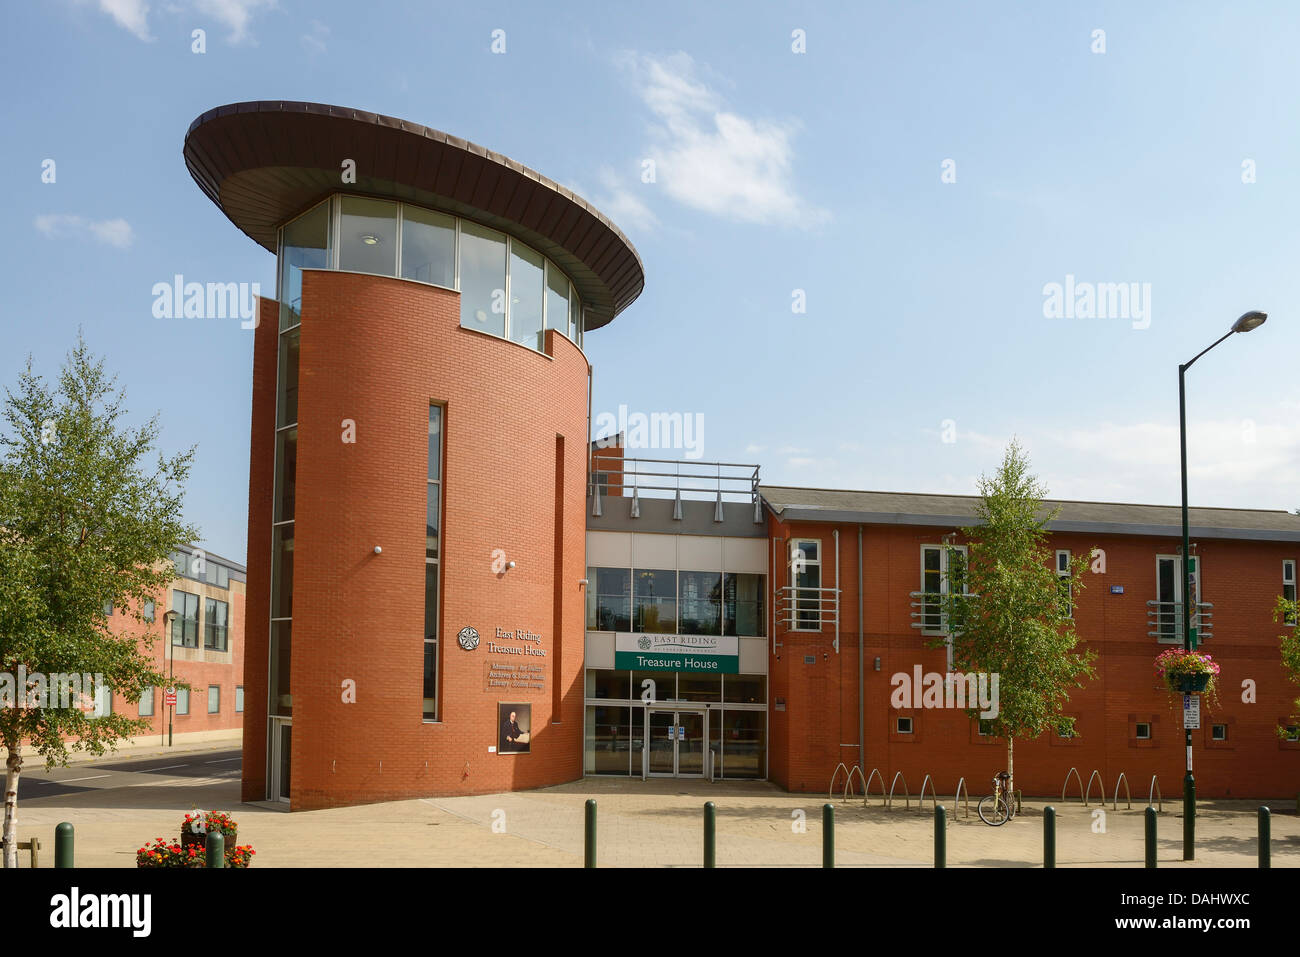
[
  {"x": 280, "y": 751},
  {"x": 677, "y": 741}
]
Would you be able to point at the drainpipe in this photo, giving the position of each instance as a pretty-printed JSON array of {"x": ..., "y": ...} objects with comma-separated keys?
[
  {"x": 836, "y": 534},
  {"x": 862, "y": 752}
]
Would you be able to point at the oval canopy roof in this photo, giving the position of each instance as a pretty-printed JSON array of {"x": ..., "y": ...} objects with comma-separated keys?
[{"x": 265, "y": 162}]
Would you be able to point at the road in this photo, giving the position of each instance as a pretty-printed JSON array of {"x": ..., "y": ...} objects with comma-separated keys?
[{"x": 109, "y": 773}]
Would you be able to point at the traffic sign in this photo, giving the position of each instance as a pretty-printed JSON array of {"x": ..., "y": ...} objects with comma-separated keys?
[
  {"x": 169, "y": 697},
  {"x": 1191, "y": 712}
]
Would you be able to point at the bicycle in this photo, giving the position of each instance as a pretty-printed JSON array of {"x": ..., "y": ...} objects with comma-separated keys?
[{"x": 1000, "y": 806}]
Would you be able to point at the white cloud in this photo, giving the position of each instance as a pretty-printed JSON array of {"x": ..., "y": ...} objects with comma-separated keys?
[
  {"x": 234, "y": 14},
  {"x": 314, "y": 40},
  {"x": 623, "y": 205},
  {"x": 714, "y": 160},
  {"x": 131, "y": 15},
  {"x": 113, "y": 232}
]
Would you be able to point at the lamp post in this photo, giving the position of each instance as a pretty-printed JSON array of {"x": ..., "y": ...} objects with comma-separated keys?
[
  {"x": 168, "y": 619},
  {"x": 1247, "y": 322}
]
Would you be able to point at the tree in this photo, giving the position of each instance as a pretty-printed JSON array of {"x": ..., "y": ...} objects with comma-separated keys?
[
  {"x": 85, "y": 523},
  {"x": 1009, "y": 611},
  {"x": 1287, "y": 612}
]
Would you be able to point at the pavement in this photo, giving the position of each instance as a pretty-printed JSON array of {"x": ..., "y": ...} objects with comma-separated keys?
[{"x": 119, "y": 803}]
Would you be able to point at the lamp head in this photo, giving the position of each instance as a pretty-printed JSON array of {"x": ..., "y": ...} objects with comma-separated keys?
[{"x": 1249, "y": 320}]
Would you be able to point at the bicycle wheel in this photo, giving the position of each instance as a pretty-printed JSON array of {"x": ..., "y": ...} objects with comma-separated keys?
[{"x": 993, "y": 811}]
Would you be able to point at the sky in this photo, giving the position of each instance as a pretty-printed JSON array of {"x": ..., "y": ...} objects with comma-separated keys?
[{"x": 852, "y": 219}]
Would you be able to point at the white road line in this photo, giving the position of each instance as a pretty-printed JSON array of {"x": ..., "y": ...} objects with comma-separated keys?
[
  {"x": 225, "y": 760},
  {"x": 169, "y": 767},
  {"x": 70, "y": 780}
]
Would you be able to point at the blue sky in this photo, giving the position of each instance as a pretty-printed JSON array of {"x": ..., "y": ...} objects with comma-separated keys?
[{"x": 924, "y": 346}]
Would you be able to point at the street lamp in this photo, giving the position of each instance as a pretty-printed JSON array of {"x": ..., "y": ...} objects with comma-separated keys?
[
  {"x": 168, "y": 619},
  {"x": 1247, "y": 322}
]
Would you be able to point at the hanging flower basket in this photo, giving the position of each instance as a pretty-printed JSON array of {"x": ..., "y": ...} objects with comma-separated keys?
[{"x": 1187, "y": 672}]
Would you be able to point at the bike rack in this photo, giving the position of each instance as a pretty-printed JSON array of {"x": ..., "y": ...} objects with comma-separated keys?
[
  {"x": 1155, "y": 790},
  {"x": 1075, "y": 772},
  {"x": 907, "y": 798},
  {"x": 1128, "y": 798},
  {"x": 1100, "y": 783},
  {"x": 866, "y": 788},
  {"x": 961, "y": 786},
  {"x": 934, "y": 798},
  {"x": 830, "y": 790},
  {"x": 848, "y": 783}
]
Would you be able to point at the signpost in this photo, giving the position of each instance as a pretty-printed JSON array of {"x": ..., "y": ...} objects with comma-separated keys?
[
  {"x": 1192, "y": 712},
  {"x": 169, "y": 698}
]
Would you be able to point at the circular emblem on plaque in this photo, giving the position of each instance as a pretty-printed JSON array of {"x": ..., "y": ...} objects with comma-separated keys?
[
  {"x": 643, "y": 643},
  {"x": 468, "y": 638}
]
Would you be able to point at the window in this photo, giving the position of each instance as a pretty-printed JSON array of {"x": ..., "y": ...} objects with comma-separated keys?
[
  {"x": 146, "y": 703},
  {"x": 1292, "y": 732},
  {"x": 215, "y": 621},
  {"x": 575, "y": 318},
  {"x": 806, "y": 576},
  {"x": 286, "y": 469},
  {"x": 482, "y": 278},
  {"x": 287, "y": 406},
  {"x": 985, "y": 728},
  {"x": 214, "y": 699},
  {"x": 434, "y": 477},
  {"x": 1169, "y": 596},
  {"x": 1288, "y": 586},
  {"x": 526, "y": 295},
  {"x": 903, "y": 725},
  {"x": 942, "y": 571},
  {"x": 282, "y": 571},
  {"x": 304, "y": 244},
  {"x": 654, "y": 601},
  {"x": 367, "y": 235},
  {"x": 182, "y": 700},
  {"x": 609, "y": 599},
  {"x": 557, "y": 301},
  {"x": 428, "y": 246},
  {"x": 149, "y": 611},
  {"x": 108, "y": 609},
  {"x": 239, "y": 699},
  {"x": 742, "y": 602},
  {"x": 103, "y": 702},
  {"x": 185, "y": 626},
  {"x": 1143, "y": 731},
  {"x": 700, "y": 602},
  {"x": 1067, "y": 588},
  {"x": 1218, "y": 732}
]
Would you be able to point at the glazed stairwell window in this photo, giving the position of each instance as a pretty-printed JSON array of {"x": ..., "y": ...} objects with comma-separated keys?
[
  {"x": 1288, "y": 586},
  {"x": 1169, "y": 597},
  {"x": 185, "y": 626},
  {"x": 806, "y": 577},
  {"x": 1063, "y": 577},
  {"x": 942, "y": 571},
  {"x": 432, "y": 560}
]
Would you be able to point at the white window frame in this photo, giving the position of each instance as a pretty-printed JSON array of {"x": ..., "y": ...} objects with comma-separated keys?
[
  {"x": 1288, "y": 581},
  {"x": 943, "y": 587},
  {"x": 146, "y": 695},
  {"x": 898, "y": 725},
  {"x": 1137, "y": 730},
  {"x": 1180, "y": 577},
  {"x": 1214, "y": 732},
  {"x": 796, "y": 546},
  {"x": 1064, "y": 553}
]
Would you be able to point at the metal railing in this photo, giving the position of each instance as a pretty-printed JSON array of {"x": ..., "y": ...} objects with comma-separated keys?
[
  {"x": 930, "y": 615},
  {"x": 807, "y": 609},
  {"x": 1165, "y": 619},
  {"x": 672, "y": 478}
]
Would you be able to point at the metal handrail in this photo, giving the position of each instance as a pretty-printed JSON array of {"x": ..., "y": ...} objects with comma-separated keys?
[
  {"x": 821, "y": 602},
  {"x": 1128, "y": 798},
  {"x": 1155, "y": 790},
  {"x": 1075, "y": 772},
  {"x": 866, "y": 790},
  {"x": 1100, "y": 783},
  {"x": 961, "y": 786},
  {"x": 1167, "y": 618},
  {"x": 907, "y": 798}
]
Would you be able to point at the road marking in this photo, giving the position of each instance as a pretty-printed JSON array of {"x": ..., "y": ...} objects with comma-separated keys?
[
  {"x": 169, "y": 767},
  {"x": 223, "y": 760},
  {"x": 70, "y": 780}
]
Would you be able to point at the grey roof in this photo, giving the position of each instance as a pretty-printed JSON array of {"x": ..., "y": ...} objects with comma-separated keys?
[{"x": 911, "y": 508}]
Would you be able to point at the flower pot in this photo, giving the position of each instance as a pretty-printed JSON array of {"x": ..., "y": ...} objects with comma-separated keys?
[
  {"x": 201, "y": 840},
  {"x": 1190, "y": 684}
]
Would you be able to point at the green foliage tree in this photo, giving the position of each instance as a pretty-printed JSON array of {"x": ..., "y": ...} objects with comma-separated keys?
[
  {"x": 85, "y": 522},
  {"x": 1287, "y": 612},
  {"x": 1009, "y": 612}
]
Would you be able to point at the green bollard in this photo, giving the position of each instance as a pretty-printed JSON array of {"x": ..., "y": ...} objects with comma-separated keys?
[
  {"x": 589, "y": 835},
  {"x": 1265, "y": 837},
  {"x": 63, "y": 835},
  {"x": 216, "y": 849},
  {"x": 940, "y": 836},
  {"x": 1151, "y": 836},
  {"x": 710, "y": 834},
  {"x": 1049, "y": 836},
  {"x": 828, "y": 835}
]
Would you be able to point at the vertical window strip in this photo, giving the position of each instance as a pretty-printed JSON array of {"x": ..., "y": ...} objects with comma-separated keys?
[{"x": 432, "y": 562}]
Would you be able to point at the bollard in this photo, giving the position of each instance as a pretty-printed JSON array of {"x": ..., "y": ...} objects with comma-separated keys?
[
  {"x": 1049, "y": 836},
  {"x": 63, "y": 835},
  {"x": 710, "y": 834},
  {"x": 589, "y": 835},
  {"x": 828, "y": 835},
  {"x": 940, "y": 836},
  {"x": 1265, "y": 837},
  {"x": 1151, "y": 836},
  {"x": 216, "y": 849}
]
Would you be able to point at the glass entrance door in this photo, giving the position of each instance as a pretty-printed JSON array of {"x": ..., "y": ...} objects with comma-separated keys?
[
  {"x": 677, "y": 743},
  {"x": 280, "y": 750}
]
